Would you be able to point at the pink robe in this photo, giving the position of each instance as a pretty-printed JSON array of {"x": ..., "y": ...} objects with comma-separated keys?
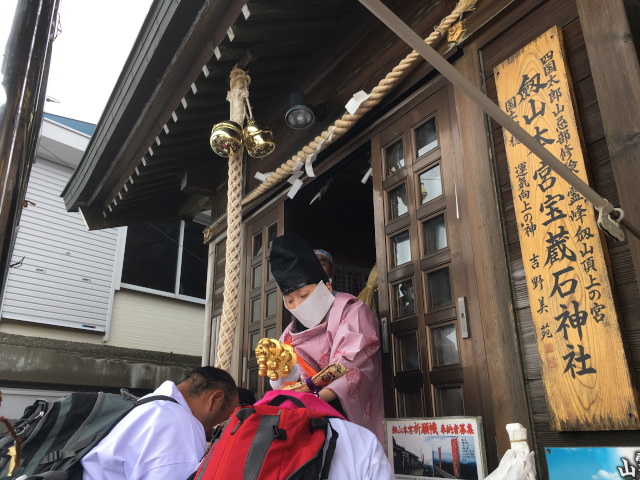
[{"x": 348, "y": 337}]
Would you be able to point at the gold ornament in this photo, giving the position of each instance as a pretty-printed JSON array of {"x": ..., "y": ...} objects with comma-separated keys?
[
  {"x": 226, "y": 138},
  {"x": 259, "y": 142},
  {"x": 275, "y": 359}
]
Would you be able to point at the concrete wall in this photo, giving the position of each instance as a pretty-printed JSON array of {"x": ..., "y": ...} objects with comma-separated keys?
[{"x": 32, "y": 362}]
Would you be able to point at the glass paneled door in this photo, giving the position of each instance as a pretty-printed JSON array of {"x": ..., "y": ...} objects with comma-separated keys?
[
  {"x": 417, "y": 212},
  {"x": 263, "y": 300}
]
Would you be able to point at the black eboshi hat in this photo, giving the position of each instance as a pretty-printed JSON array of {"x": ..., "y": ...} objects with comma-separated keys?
[{"x": 294, "y": 264}]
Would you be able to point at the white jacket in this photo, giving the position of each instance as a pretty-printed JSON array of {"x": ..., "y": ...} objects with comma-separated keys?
[{"x": 159, "y": 440}]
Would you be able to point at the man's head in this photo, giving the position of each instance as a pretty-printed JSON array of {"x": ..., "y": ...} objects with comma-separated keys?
[
  {"x": 211, "y": 394},
  {"x": 326, "y": 260}
]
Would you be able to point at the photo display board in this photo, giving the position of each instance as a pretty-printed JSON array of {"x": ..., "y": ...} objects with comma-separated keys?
[{"x": 431, "y": 448}]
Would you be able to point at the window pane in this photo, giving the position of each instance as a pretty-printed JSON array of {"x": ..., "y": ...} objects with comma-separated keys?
[
  {"x": 272, "y": 233},
  {"x": 430, "y": 185},
  {"x": 406, "y": 353},
  {"x": 271, "y": 304},
  {"x": 253, "y": 381},
  {"x": 410, "y": 404},
  {"x": 397, "y": 201},
  {"x": 403, "y": 300},
  {"x": 434, "y": 234},
  {"x": 151, "y": 255},
  {"x": 257, "y": 276},
  {"x": 255, "y": 338},
  {"x": 400, "y": 249},
  {"x": 269, "y": 274},
  {"x": 426, "y": 138},
  {"x": 439, "y": 288},
  {"x": 257, "y": 244},
  {"x": 193, "y": 272},
  {"x": 270, "y": 332},
  {"x": 444, "y": 345},
  {"x": 394, "y": 157},
  {"x": 449, "y": 402},
  {"x": 255, "y": 310}
]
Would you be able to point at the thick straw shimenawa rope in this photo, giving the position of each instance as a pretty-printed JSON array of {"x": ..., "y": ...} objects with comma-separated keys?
[
  {"x": 237, "y": 97},
  {"x": 344, "y": 124}
]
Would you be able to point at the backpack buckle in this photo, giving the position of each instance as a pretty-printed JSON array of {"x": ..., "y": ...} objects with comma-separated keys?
[{"x": 279, "y": 433}]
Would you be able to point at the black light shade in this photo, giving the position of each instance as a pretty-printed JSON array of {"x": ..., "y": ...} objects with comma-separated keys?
[{"x": 300, "y": 115}]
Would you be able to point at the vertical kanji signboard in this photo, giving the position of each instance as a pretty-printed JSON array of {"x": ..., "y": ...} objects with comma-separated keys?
[{"x": 584, "y": 368}]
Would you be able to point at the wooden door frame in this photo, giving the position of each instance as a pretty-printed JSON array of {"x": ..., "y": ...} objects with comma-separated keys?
[{"x": 273, "y": 212}]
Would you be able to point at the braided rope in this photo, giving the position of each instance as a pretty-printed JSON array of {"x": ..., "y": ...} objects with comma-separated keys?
[
  {"x": 238, "y": 93},
  {"x": 344, "y": 124}
]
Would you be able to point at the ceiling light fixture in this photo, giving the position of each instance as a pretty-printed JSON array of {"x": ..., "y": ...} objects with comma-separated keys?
[{"x": 300, "y": 115}]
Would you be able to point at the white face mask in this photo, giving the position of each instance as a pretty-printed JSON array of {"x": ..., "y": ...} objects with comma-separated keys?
[{"x": 313, "y": 309}]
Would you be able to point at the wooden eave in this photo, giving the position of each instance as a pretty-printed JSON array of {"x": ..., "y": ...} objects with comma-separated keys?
[{"x": 150, "y": 157}]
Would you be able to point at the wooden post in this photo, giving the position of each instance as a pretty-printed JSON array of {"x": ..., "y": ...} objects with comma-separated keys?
[
  {"x": 616, "y": 76},
  {"x": 506, "y": 390}
]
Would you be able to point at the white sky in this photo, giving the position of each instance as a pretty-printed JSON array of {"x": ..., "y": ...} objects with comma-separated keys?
[{"x": 89, "y": 53}]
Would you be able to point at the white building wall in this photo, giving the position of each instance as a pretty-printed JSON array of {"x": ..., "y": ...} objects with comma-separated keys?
[
  {"x": 139, "y": 320},
  {"x": 62, "y": 274},
  {"x": 151, "y": 322}
]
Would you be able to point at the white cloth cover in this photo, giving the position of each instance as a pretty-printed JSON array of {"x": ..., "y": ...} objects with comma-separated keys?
[
  {"x": 157, "y": 440},
  {"x": 358, "y": 455},
  {"x": 515, "y": 466}
]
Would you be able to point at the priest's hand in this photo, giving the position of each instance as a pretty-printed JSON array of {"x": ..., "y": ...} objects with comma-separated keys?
[{"x": 327, "y": 395}]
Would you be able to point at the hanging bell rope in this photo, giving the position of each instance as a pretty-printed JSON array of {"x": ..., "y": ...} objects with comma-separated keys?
[
  {"x": 341, "y": 126},
  {"x": 237, "y": 97}
]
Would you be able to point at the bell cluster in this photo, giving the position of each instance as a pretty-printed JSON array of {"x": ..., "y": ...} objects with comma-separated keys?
[{"x": 228, "y": 137}]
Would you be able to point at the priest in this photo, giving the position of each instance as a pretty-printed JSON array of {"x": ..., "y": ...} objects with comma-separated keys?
[{"x": 328, "y": 328}]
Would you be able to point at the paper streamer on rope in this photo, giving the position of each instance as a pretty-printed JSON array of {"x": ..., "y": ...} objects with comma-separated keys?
[
  {"x": 367, "y": 175},
  {"x": 353, "y": 104},
  {"x": 322, "y": 191},
  {"x": 294, "y": 179},
  {"x": 262, "y": 176},
  {"x": 308, "y": 168}
]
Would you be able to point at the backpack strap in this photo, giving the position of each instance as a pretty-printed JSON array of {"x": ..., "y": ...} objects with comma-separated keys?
[
  {"x": 267, "y": 432},
  {"x": 331, "y": 448},
  {"x": 153, "y": 398},
  {"x": 52, "y": 475},
  {"x": 280, "y": 399}
]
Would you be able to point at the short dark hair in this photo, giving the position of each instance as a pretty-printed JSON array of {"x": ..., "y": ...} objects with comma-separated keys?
[
  {"x": 203, "y": 379},
  {"x": 246, "y": 396}
]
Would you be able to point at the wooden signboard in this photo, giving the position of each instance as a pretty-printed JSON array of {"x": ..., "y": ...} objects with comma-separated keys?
[{"x": 584, "y": 368}]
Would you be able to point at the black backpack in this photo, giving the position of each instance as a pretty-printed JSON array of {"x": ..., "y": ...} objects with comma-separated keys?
[{"x": 55, "y": 435}]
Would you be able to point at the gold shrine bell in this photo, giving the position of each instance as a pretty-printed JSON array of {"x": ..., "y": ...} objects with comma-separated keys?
[
  {"x": 259, "y": 142},
  {"x": 228, "y": 137}
]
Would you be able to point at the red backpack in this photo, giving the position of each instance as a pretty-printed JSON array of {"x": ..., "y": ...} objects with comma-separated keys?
[{"x": 270, "y": 441}]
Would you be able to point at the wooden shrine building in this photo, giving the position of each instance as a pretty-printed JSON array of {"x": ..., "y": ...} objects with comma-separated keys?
[{"x": 442, "y": 214}]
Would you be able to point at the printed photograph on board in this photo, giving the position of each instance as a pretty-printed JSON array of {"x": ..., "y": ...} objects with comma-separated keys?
[
  {"x": 593, "y": 463},
  {"x": 430, "y": 448}
]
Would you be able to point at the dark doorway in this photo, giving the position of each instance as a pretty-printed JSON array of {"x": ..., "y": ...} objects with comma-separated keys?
[{"x": 340, "y": 221}]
